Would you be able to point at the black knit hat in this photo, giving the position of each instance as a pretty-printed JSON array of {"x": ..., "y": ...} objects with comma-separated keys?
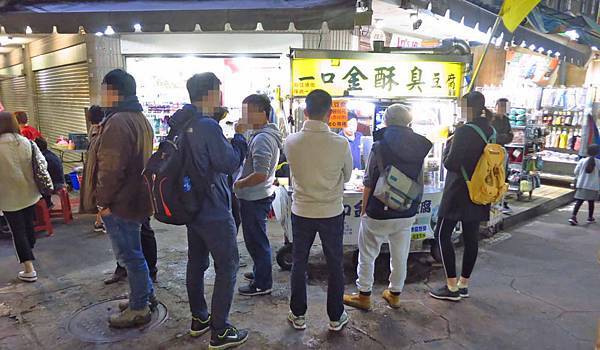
[{"x": 121, "y": 81}]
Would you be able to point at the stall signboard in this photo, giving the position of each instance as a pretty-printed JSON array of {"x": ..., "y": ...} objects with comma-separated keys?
[
  {"x": 422, "y": 227},
  {"x": 370, "y": 78},
  {"x": 339, "y": 114}
]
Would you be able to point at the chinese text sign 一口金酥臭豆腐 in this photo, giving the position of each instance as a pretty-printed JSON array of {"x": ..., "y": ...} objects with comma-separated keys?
[{"x": 356, "y": 78}]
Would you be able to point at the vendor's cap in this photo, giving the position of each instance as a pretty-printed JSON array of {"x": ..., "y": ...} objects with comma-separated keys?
[{"x": 397, "y": 114}]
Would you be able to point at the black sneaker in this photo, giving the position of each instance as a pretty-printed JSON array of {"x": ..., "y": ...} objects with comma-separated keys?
[
  {"x": 231, "y": 337},
  {"x": 199, "y": 327},
  {"x": 249, "y": 276},
  {"x": 591, "y": 220},
  {"x": 464, "y": 292},
  {"x": 251, "y": 290},
  {"x": 443, "y": 293}
]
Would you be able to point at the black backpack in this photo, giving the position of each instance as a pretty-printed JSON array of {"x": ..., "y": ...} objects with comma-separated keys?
[{"x": 176, "y": 186}]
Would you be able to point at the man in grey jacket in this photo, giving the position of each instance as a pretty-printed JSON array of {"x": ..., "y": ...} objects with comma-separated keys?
[{"x": 254, "y": 188}]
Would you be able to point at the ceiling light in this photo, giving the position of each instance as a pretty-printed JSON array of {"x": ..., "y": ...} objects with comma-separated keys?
[
  {"x": 137, "y": 27},
  {"x": 28, "y": 30},
  {"x": 109, "y": 30},
  {"x": 595, "y": 48},
  {"x": 523, "y": 44},
  {"x": 532, "y": 47},
  {"x": 540, "y": 50},
  {"x": 557, "y": 54},
  {"x": 99, "y": 34}
]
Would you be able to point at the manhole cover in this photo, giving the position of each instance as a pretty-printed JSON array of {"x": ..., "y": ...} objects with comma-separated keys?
[{"x": 90, "y": 324}]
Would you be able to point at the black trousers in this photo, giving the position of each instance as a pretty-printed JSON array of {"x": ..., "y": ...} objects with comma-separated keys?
[
  {"x": 21, "y": 225},
  {"x": 148, "y": 248},
  {"x": 579, "y": 202},
  {"x": 471, "y": 242}
]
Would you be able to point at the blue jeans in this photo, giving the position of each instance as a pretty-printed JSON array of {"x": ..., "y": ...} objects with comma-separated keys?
[
  {"x": 254, "y": 225},
  {"x": 217, "y": 238},
  {"x": 126, "y": 242},
  {"x": 331, "y": 232}
]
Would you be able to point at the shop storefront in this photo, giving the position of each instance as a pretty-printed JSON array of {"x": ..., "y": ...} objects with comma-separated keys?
[
  {"x": 364, "y": 85},
  {"x": 251, "y": 63}
]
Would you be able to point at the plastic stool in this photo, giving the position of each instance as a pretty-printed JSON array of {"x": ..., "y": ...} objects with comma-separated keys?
[
  {"x": 42, "y": 218},
  {"x": 65, "y": 206}
]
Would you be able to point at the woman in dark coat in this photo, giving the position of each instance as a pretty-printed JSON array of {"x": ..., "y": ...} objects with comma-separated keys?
[{"x": 463, "y": 150}]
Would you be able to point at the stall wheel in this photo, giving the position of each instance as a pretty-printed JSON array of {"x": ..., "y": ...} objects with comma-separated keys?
[{"x": 284, "y": 257}]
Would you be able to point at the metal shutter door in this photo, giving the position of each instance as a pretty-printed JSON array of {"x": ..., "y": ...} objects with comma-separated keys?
[
  {"x": 62, "y": 94},
  {"x": 14, "y": 95}
]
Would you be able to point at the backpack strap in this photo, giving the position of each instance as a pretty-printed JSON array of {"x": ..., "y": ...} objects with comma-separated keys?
[{"x": 491, "y": 139}]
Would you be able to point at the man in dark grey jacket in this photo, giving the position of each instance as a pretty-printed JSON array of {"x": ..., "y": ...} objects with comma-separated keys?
[{"x": 255, "y": 190}]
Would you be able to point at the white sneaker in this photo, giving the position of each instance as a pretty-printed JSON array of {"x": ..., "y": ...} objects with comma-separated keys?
[{"x": 28, "y": 276}]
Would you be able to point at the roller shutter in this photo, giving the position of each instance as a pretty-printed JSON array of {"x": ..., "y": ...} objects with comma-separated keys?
[
  {"x": 62, "y": 95},
  {"x": 14, "y": 95}
]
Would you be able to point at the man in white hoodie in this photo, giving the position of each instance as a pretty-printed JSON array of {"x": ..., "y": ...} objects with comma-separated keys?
[
  {"x": 254, "y": 188},
  {"x": 320, "y": 163}
]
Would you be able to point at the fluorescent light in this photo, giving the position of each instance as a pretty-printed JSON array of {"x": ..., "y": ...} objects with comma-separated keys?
[
  {"x": 595, "y": 48},
  {"x": 137, "y": 27},
  {"x": 5, "y": 40},
  {"x": 109, "y": 30},
  {"x": 28, "y": 30}
]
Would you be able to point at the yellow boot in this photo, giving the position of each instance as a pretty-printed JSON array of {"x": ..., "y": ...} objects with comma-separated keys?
[
  {"x": 393, "y": 300},
  {"x": 358, "y": 301}
]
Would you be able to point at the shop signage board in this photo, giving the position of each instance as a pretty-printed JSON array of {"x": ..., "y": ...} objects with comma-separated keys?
[
  {"x": 422, "y": 227},
  {"x": 378, "y": 79},
  {"x": 339, "y": 114}
]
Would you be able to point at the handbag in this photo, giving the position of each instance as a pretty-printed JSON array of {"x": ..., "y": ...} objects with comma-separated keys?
[
  {"x": 41, "y": 176},
  {"x": 394, "y": 189}
]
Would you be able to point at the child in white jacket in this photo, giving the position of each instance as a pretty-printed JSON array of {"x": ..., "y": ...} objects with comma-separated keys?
[{"x": 587, "y": 175}]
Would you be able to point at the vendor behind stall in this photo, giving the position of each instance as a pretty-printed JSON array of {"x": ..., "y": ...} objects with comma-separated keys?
[{"x": 354, "y": 138}]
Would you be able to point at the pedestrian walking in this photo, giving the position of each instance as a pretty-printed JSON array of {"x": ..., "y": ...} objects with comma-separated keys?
[
  {"x": 587, "y": 181},
  {"x": 320, "y": 163},
  {"x": 404, "y": 150},
  {"x": 19, "y": 190},
  {"x": 213, "y": 230},
  {"x": 95, "y": 115},
  {"x": 124, "y": 146},
  {"x": 256, "y": 192},
  {"x": 27, "y": 130},
  {"x": 462, "y": 152}
]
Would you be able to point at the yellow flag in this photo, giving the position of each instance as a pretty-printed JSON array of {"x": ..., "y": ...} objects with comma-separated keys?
[{"x": 514, "y": 11}]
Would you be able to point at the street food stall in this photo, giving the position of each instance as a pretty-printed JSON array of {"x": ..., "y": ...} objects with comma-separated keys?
[{"x": 363, "y": 85}]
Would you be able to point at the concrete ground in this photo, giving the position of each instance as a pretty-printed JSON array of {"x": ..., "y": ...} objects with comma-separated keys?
[{"x": 535, "y": 287}]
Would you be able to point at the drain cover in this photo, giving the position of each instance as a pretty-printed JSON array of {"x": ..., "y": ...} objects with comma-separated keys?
[{"x": 90, "y": 324}]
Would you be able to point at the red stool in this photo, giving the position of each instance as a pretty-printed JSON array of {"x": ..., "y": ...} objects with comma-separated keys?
[
  {"x": 42, "y": 218},
  {"x": 65, "y": 206}
]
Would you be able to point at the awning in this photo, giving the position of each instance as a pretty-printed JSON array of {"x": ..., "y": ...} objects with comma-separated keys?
[
  {"x": 548, "y": 20},
  {"x": 181, "y": 16},
  {"x": 474, "y": 15}
]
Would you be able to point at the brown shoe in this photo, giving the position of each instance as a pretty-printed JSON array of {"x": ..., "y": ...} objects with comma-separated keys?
[
  {"x": 358, "y": 301},
  {"x": 393, "y": 300},
  {"x": 130, "y": 318},
  {"x": 114, "y": 278}
]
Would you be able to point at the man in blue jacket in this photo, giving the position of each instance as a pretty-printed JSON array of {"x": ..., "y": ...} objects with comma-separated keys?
[{"x": 213, "y": 231}]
